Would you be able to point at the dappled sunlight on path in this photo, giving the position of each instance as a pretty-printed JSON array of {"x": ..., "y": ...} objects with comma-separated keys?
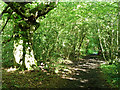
[
  {"x": 82, "y": 73},
  {"x": 85, "y": 73}
]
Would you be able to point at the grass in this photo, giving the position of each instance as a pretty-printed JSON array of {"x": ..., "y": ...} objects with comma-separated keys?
[
  {"x": 14, "y": 78},
  {"x": 52, "y": 76},
  {"x": 32, "y": 79},
  {"x": 111, "y": 74}
]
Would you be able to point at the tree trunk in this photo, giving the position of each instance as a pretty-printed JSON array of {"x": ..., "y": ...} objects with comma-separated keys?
[
  {"x": 23, "y": 50},
  {"x": 118, "y": 40}
]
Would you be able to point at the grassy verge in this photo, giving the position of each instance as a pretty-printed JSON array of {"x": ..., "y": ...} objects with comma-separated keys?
[
  {"x": 42, "y": 77},
  {"x": 111, "y": 74}
]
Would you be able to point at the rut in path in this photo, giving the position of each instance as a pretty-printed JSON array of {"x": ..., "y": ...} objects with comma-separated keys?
[{"x": 86, "y": 73}]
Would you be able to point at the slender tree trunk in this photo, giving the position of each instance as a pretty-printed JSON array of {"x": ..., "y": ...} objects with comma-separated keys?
[
  {"x": 101, "y": 44},
  {"x": 80, "y": 44},
  {"x": 118, "y": 33}
]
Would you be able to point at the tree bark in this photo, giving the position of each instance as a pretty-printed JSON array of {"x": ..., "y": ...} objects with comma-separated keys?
[
  {"x": 26, "y": 26},
  {"x": 118, "y": 44},
  {"x": 23, "y": 52}
]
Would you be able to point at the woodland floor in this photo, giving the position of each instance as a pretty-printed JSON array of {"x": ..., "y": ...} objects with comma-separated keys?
[{"x": 82, "y": 73}]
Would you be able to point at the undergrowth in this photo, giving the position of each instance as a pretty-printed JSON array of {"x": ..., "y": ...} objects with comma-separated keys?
[{"x": 111, "y": 74}]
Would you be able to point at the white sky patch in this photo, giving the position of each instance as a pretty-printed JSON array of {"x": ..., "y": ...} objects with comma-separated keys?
[
  {"x": 86, "y": 19},
  {"x": 78, "y": 6},
  {"x": 64, "y": 44}
]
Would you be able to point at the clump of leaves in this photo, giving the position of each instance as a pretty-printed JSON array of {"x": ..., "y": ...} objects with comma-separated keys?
[{"x": 111, "y": 74}]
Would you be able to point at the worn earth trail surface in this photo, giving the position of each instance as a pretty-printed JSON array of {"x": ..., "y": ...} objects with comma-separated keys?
[
  {"x": 87, "y": 73},
  {"x": 82, "y": 73}
]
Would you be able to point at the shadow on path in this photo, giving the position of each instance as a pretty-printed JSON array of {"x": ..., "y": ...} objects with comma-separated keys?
[
  {"x": 86, "y": 73},
  {"x": 83, "y": 73}
]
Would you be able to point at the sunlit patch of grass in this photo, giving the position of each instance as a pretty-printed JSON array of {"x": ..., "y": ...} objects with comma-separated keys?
[
  {"x": 58, "y": 66},
  {"x": 32, "y": 79},
  {"x": 11, "y": 69},
  {"x": 111, "y": 74}
]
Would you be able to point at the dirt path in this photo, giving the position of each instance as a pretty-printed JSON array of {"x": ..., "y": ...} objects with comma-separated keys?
[
  {"x": 82, "y": 73},
  {"x": 86, "y": 73}
]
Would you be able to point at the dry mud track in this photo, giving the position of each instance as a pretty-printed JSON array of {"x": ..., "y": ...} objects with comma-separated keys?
[
  {"x": 82, "y": 73},
  {"x": 86, "y": 73}
]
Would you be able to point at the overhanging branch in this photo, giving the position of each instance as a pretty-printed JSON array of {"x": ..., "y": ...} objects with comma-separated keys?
[
  {"x": 16, "y": 9},
  {"x": 6, "y": 22},
  {"x": 4, "y": 42}
]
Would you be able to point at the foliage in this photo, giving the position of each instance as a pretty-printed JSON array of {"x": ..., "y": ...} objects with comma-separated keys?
[
  {"x": 111, "y": 74},
  {"x": 75, "y": 31},
  {"x": 24, "y": 16},
  {"x": 69, "y": 31}
]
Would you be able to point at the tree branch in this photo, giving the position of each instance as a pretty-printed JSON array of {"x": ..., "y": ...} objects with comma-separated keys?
[
  {"x": 45, "y": 11},
  {"x": 16, "y": 9},
  {"x": 6, "y": 22},
  {"x": 4, "y": 11},
  {"x": 4, "y": 42}
]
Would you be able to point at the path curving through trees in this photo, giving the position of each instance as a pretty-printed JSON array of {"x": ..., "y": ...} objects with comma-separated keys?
[
  {"x": 82, "y": 73},
  {"x": 86, "y": 73}
]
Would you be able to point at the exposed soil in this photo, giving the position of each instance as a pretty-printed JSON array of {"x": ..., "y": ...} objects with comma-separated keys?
[
  {"x": 82, "y": 73},
  {"x": 86, "y": 73}
]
